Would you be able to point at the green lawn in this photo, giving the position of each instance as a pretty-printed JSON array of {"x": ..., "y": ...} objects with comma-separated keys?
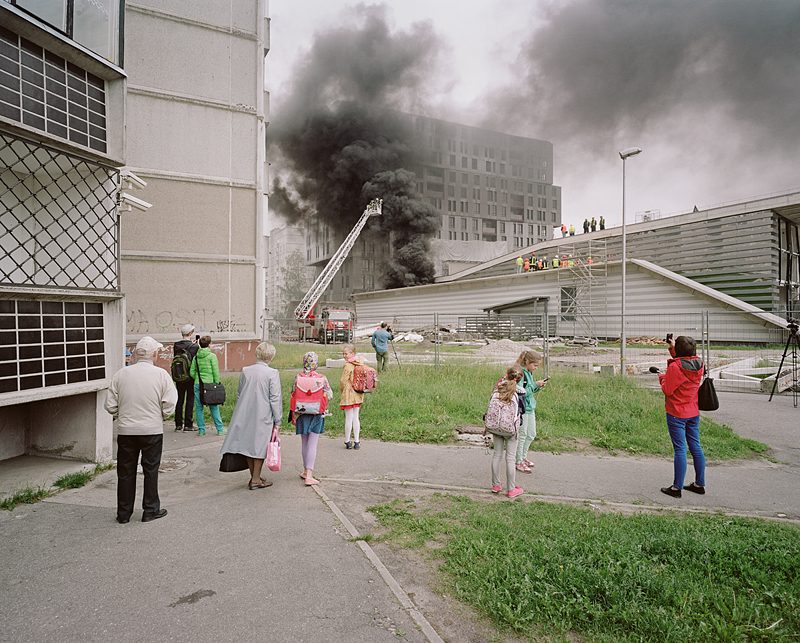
[
  {"x": 576, "y": 411},
  {"x": 542, "y": 570}
]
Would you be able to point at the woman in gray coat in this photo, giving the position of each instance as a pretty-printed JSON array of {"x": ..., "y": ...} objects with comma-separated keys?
[{"x": 258, "y": 409}]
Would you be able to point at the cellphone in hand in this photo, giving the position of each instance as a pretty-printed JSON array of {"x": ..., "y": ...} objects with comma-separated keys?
[{"x": 669, "y": 338}]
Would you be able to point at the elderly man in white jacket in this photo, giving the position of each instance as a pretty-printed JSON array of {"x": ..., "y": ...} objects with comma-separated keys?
[{"x": 140, "y": 397}]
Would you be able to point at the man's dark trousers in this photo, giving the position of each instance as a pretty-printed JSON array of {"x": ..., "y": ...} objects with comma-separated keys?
[
  {"x": 185, "y": 392},
  {"x": 128, "y": 449},
  {"x": 381, "y": 360}
]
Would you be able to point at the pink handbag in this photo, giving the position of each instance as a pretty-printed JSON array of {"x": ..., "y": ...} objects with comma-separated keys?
[{"x": 274, "y": 451}]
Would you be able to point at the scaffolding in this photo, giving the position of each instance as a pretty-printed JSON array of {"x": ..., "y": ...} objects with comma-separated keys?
[{"x": 582, "y": 281}]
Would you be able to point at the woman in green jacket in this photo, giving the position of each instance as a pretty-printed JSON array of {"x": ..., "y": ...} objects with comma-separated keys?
[{"x": 206, "y": 362}]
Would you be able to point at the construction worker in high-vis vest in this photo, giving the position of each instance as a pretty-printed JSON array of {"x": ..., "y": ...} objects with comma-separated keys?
[
  {"x": 519, "y": 264},
  {"x": 555, "y": 261}
]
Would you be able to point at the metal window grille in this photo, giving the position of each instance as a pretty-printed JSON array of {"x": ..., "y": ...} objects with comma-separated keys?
[
  {"x": 49, "y": 343},
  {"x": 58, "y": 218},
  {"x": 44, "y": 91}
]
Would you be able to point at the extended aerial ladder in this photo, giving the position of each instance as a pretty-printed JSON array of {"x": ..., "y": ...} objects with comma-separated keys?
[{"x": 301, "y": 313}]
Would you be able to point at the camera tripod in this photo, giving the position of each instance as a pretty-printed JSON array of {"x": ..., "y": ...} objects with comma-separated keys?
[{"x": 791, "y": 350}]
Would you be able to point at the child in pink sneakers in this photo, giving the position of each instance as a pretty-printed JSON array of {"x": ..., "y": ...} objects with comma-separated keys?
[{"x": 505, "y": 446}]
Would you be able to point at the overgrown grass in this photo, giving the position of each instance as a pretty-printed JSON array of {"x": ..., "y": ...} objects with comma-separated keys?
[
  {"x": 81, "y": 478},
  {"x": 27, "y": 496},
  {"x": 543, "y": 570},
  {"x": 575, "y": 411}
]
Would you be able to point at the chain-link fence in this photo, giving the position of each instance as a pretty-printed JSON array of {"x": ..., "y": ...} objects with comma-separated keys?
[
  {"x": 59, "y": 218},
  {"x": 743, "y": 350}
]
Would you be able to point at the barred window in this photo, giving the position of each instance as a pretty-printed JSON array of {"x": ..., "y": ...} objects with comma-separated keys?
[
  {"x": 49, "y": 343},
  {"x": 44, "y": 91}
]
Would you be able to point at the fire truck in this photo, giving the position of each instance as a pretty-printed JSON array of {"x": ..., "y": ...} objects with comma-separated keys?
[
  {"x": 334, "y": 324},
  {"x": 331, "y": 326}
]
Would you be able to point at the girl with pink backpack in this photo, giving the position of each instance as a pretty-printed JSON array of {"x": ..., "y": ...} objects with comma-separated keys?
[
  {"x": 308, "y": 403},
  {"x": 502, "y": 421}
]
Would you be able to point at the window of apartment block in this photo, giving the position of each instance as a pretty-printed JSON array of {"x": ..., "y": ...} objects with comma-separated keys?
[
  {"x": 464, "y": 162},
  {"x": 465, "y": 236},
  {"x": 50, "y": 343},
  {"x": 476, "y": 179},
  {"x": 476, "y": 193},
  {"x": 451, "y": 222},
  {"x": 463, "y": 223},
  {"x": 476, "y": 208},
  {"x": 474, "y": 164},
  {"x": 92, "y": 23},
  {"x": 555, "y": 204},
  {"x": 504, "y": 209},
  {"x": 475, "y": 224},
  {"x": 451, "y": 190},
  {"x": 465, "y": 178},
  {"x": 476, "y": 237},
  {"x": 475, "y": 150},
  {"x": 502, "y": 227},
  {"x": 503, "y": 238},
  {"x": 463, "y": 192},
  {"x": 451, "y": 176},
  {"x": 452, "y": 160},
  {"x": 502, "y": 168},
  {"x": 488, "y": 166},
  {"x": 554, "y": 216}
]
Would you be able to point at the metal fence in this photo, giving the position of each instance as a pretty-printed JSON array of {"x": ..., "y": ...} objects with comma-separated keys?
[
  {"x": 743, "y": 351},
  {"x": 58, "y": 216}
]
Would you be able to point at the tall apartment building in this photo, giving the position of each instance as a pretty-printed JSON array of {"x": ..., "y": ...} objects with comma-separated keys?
[
  {"x": 288, "y": 275},
  {"x": 62, "y": 135},
  {"x": 487, "y": 186},
  {"x": 197, "y": 115}
]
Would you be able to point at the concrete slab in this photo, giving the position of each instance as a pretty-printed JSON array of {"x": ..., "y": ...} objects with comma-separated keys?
[{"x": 28, "y": 471}]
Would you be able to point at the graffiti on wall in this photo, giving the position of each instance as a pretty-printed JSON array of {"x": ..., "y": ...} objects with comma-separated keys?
[{"x": 168, "y": 321}]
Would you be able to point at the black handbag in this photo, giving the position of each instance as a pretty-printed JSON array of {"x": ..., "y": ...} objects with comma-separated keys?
[
  {"x": 707, "y": 395},
  {"x": 209, "y": 393}
]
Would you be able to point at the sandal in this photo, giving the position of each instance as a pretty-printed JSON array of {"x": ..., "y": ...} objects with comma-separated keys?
[
  {"x": 310, "y": 482},
  {"x": 262, "y": 485}
]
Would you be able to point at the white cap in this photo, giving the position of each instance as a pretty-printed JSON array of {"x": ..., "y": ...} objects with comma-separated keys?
[
  {"x": 147, "y": 345},
  {"x": 187, "y": 329}
]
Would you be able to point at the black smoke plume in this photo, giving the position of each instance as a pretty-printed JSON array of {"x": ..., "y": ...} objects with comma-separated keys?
[
  {"x": 342, "y": 128},
  {"x": 409, "y": 222},
  {"x": 603, "y": 70}
]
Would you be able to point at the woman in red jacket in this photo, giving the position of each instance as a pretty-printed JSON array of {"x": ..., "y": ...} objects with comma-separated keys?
[{"x": 680, "y": 383}]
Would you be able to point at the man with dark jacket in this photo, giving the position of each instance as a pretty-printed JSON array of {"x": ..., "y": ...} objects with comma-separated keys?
[{"x": 185, "y": 407}]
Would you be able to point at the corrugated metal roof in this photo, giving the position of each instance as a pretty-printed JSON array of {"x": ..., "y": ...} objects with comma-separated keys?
[{"x": 711, "y": 293}]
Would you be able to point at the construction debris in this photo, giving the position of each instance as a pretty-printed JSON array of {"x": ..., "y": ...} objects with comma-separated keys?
[{"x": 642, "y": 339}]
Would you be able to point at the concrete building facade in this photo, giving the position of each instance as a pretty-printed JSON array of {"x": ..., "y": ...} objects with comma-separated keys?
[
  {"x": 62, "y": 144},
  {"x": 488, "y": 187},
  {"x": 197, "y": 115}
]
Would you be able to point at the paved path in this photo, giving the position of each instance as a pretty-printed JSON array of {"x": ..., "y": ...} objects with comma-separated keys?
[{"x": 228, "y": 563}]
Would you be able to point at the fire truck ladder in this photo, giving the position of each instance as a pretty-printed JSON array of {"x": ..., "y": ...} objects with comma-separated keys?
[{"x": 374, "y": 207}]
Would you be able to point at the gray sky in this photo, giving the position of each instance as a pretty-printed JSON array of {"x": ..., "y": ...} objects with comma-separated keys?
[{"x": 709, "y": 89}]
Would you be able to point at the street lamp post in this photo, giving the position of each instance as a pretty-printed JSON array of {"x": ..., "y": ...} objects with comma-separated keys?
[{"x": 624, "y": 154}]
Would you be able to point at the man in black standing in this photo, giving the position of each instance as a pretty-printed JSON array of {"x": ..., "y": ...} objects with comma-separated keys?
[
  {"x": 140, "y": 397},
  {"x": 185, "y": 386}
]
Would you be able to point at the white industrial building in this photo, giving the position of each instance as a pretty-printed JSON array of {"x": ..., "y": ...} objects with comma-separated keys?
[{"x": 751, "y": 249}]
